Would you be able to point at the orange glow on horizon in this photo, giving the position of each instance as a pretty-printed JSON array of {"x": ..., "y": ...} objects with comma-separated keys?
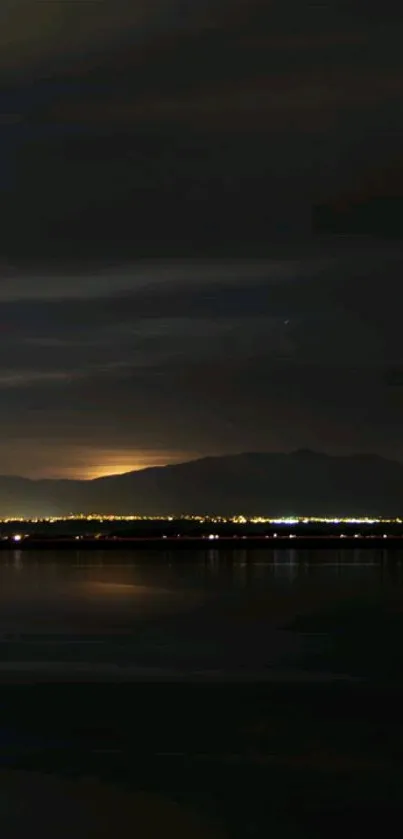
[
  {"x": 89, "y": 463},
  {"x": 107, "y": 463},
  {"x": 112, "y": 469},
  {"x": 114, "y": 466}
]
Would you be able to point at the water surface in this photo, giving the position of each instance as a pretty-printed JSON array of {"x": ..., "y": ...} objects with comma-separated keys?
[
  {"x": 260, "y": 614},
  {"x": 308, "y": 709}
]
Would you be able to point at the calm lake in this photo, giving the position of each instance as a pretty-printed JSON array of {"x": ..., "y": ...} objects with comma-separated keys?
[
  {"x": 286, "y": 614},
  {"x": 208, "y": 695}
]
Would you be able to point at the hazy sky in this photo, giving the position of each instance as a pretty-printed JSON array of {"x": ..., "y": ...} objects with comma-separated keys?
[{"x": 168, "y": 287}]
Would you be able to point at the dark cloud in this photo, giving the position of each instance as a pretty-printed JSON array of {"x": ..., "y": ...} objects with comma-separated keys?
[
  {"x": 166, "y": 287},
  {"x": 207, "y": 360},
  {"x": 188, "y": 128}
]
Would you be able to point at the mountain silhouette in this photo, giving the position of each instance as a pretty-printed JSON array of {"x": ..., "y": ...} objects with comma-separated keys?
[{"x": 301, "y": 483}]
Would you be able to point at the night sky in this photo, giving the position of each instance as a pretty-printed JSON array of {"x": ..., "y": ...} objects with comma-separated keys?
[{"x": 201, "y": 230}]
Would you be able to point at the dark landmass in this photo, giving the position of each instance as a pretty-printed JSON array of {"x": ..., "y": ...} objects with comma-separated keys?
[{"x": 303, "y": 483}]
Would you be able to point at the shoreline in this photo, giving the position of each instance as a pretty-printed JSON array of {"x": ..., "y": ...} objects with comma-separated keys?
[{"x": 196, "y": 543}]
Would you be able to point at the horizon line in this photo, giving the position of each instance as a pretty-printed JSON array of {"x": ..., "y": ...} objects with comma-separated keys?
[{"x": 199, "y": 458}]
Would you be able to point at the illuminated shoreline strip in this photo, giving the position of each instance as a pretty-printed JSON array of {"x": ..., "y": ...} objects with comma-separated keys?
[{"x": 287, "y": 521}]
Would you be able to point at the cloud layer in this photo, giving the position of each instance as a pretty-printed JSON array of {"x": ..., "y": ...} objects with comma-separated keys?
[
  {"x": 173, "y": 128},
  {"x": 297, "y": 353},
  {"x": 164, "y": 289}
]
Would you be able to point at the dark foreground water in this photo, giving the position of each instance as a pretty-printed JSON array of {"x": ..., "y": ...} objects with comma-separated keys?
[
  {"x": 204, "y": 615},
  {"x": 201, "y": 695}
]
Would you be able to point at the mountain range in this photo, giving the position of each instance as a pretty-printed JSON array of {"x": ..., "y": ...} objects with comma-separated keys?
[{"x": 302, "y": 483}]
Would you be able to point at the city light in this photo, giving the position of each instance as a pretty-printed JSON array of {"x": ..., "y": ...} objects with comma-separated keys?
[
  {"x": 286, "y": 521},
  {"x": 96, "y": 528}
]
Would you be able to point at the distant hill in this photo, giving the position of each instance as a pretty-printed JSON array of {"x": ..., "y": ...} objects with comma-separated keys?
[{"x": 301, "y": 483}]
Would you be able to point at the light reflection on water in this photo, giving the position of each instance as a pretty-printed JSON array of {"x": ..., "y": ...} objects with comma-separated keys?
[
  {"x": 195, "y": 608},
  {"x": 157, "y": 573},
  {"x": 30, "y": 575}
]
